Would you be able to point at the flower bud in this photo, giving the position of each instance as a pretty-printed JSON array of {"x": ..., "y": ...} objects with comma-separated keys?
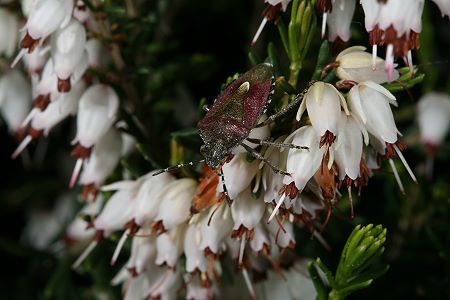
[
  {"x": 357, "y": 65},
  {"x": 96, "y": 112}
]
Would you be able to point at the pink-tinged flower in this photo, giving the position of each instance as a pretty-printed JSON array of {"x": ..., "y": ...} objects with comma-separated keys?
[
  {"x": 175, "y": 204},
  {"x": 215, "y": 226},
  {"x": 15, "y": 99},
  {"x": 396, "y": 25},
  {"x": 169, "y": 246},
  {"x": 433, "y": 116},
  {"x": 354, "y": 64},
  {"x": 323, "y": 103},
  {"x": 46, "y": 17},
  {"x": 104, "y": 158},
  {"x": 68, "y": 46},
  {"x": 339, "y": 20},
  {"x": 9, "y": 28},
  {"x": 195, "y": 258},
  {"x": 238, "y": 174},
  {"x": 444, "y": 6},
  {"x": 97, "y": 111}
]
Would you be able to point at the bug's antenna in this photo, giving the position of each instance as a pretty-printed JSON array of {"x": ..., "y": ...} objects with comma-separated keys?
[
  {"x": 257, "y": 155},
  {"x": 287, "y": 108},
  {"x": 173, "y": 168},
  {"x": 275, "y": 144}
]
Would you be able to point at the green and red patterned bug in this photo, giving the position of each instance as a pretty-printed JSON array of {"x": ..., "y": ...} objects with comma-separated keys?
[{"x": 235, "y": 113}]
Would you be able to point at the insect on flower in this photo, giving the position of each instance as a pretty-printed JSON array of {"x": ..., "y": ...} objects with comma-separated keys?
[{"x": 235, "y": 112}]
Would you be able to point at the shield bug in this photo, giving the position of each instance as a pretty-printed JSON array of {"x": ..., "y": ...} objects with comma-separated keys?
[{"x": 234, "y": 113}]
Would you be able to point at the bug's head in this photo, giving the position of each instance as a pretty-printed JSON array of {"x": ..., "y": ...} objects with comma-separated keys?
[{"x": 214, "y": 153}]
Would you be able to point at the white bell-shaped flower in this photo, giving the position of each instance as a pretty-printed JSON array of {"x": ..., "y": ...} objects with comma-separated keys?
[
  {"x": 433, "y": 116},
  {"x": 149, "y": 197},
  {"x": 357, "y": 65},
  {"x": 176, "y": 203},
  {"x": 78, "y": 229},
  {"x": 27, "y": 6},
  {"x": 339, "y": 20},
  {"x": 284, "y": 3},
  {"x": 323, "y": 103},
  {"x": 64, "y": 106},
  {"x": 96, "y": 113},
  {"x": 35, "y": 61},
  {"x": 68, "y": 46},
  {"x": 169, "y": 246},
  {"x": 261, "y": 240},
  {"x": 46, "y": 16},
  {"x": 348, "y": 150},
  {"x": 215, "y": 226},
  {"x": 104, "y": 158},
  {"x": 195, "y": 258},
  {"x": 165, "y": 287},
  {"x": 9, "y": 29},
  {"x": 117, "y": 211},
  {"x": 370, "y": 103},
  {"x": 143, "y": 252},
  {"x": 15, "y": 99},
  {"x": 238, "y": 174},
  {"x": 303, "y": 164},
  {"x": 271, "y": 181},
  {"x": 247, "y": 211},
  {"x": 283, "y": 238}
]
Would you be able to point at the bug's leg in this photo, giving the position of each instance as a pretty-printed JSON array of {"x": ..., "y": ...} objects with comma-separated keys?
[
  {"x": 285, "y": 109},
  {"x": 205, "y": 108},
  {"x": 173, "y": 168},
  {"x": 275, "y": 144},
  {"x": 258, "y": 155},
  {"x": 225, "y": 190}
]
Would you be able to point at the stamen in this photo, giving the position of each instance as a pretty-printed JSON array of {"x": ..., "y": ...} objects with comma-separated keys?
[
  {"x": 249, "y": 284},
  {"x": 405, "y": 163},
  {"x": 119, "y": 246},
  {"x": 260, "y": 29},
  {"x": 22, "y": 146},
  {"x": 76, "y": 172},
  {"x": 399, "y": 182},
  {"x": 350, "y": 198},
  {"x": 275, "y": 210},
  {"x": 85, "y": 254},
  {"x": 321, "y": 240},
  {"x": 324, "y": 24},
  {"x": 242, "y": 248},
  {"x": 374, "y": 57},
  {"x": 30, "y": 116},
  {"x": 389, "y": 66},
  {"x": 18, "y": 57}
]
